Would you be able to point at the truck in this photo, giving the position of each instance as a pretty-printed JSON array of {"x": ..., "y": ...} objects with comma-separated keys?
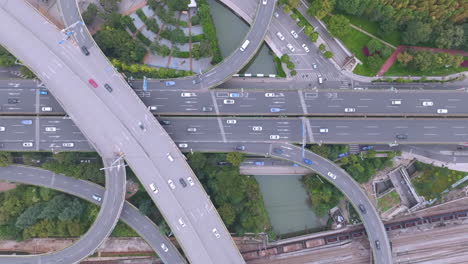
[{"x": 244, "y": 45}]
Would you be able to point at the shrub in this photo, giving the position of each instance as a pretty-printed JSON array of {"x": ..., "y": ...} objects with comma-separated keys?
[
  {"x": 152, "y": 25},
  {"x": 195, "y": 20},
  {"x": 141, "y": 15},
  {"x": 143, "y": 39}
]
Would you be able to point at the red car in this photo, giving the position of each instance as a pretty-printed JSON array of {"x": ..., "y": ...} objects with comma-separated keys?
[{"x": 93, "y": 83}]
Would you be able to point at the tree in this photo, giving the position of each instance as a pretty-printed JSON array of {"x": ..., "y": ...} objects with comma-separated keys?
[
  {"x": 29, "y": 217},
  {"x": 322, "y": 47},
  {"x": 404, "y": 58},
  {"x": 117, "y": 43},
  {"x": 5, "y": 159},
  {"x": 90, "y": 14},
  {"x": 235, "y": 158},
  {"x": 285, "y": 58},
  {"x": 313, "y": 37},
  {"x": 6, "y": 59},
  {"x": 338, "y": 26},
  {"x": 308, "y": 30},
  {"x": 145, "y": 207},
  {"x": 54, "y": 207},
  {"x": 293, "y": 73},
  {"x": 290, "y": 65},
  {"x": 448, "y": 36},
  {"x": 286, "y": 9},
  {"x": 152, "y": 25},
  {"x": 385, "y": 51},
  {"x": 177, "y": 5},
  {"x": 328, "y": 54},
  {"x": 160, "y": 49},
  {"x": 320, "y": 8},
  {"x": 423, "y": 60},
  {"x": 197, "y": 160},
  {"x": 110, "y": 6},
  {"x": 387, "y": 26},
  {"x": 293, "y": 3},
  {"x": 352, "y": 7},
  {"x": 227, "y": 213},
  {"x": 195, "y": 20},
  {"x": 72, "y": 210},
  {"x": 374, "y": 45},
  {"x": 416, "y": 32}
]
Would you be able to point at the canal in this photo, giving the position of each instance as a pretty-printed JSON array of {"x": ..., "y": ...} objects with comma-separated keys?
[
  {"x": 231, "y": 30},
  {"x": 287, "y": 204}
]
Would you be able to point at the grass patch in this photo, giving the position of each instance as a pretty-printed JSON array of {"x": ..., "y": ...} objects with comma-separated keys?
[
  {"x": 388, "y": 201},
  {"x": 432, "y": 181},
  {"x": 355, "y": 41},
  {"x": 373, "y": 28},
  {"x": 398, "y": 69}
]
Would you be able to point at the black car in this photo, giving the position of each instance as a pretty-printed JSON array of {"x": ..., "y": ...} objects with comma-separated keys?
[
  {"x": 362, "y": 208},
  {"x": 241, "y": 148},
  {"x": 85, "y": 50},
  {"x": 13, "y": 100},
  {"x": 401, "y": 136},
  {"x": 182, "y": 182},
  {"x": 165, "y": 122},
  {"x": 108, "y": 87},
  {"x": 377, "y": 244},
  {"x": 278, "y": 151}
]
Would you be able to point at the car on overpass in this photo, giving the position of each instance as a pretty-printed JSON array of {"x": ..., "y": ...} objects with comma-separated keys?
[{"x": 93, "y": 83}]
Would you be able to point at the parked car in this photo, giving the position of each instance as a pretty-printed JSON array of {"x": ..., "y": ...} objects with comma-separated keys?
[
  {"x": 304, "y": 46},
  {"x": 294, "y": 34},
  {"x": 280, "y": 36},
  {"x": 290, "y": 47}
]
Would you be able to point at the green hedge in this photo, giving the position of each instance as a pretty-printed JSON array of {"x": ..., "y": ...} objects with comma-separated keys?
[
  {"x": 143, "y": 39},
  {"x": 141, "y": 15},
  {"x": 140, "y": 70},
  {"x": 209, "y": 30},
  {"x": 183, "y": 23},
  {"x": 152, "y": 25},
  {"x": 180, "y": 54},
  {"x": 198, "y": 38}
]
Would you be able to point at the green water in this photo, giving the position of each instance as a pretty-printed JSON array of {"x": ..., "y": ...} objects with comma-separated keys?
[
  {"x": 287, "y": 204},
  {"x": 231, "y": 30}
]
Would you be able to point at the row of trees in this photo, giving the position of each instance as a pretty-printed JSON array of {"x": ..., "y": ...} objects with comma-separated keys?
[
  {"x": 428, "y": 61},
  {"x": 322, "y": 194}
]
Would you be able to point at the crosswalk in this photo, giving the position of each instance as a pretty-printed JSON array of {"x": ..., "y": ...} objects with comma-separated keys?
[{"x": 353, "y": 148}]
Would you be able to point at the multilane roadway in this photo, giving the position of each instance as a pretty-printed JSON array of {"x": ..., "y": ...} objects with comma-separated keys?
[
  {"x": 52, "y": 133},
  {"x": 23, "y": 97}
]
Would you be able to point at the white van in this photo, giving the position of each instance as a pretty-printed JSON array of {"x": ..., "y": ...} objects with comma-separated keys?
[
  {"x": 244, "y": 45},
  {"x": 169, "y": 157}
]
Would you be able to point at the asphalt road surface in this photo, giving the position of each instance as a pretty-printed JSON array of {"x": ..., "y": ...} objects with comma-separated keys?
[
  {"x": 112, "y": 203},
  {"x": 85, "y": 190},
  {"x": 24, "y": 97},
  {"x": 59, "y": 134},
  {"x": 125, "y": 125}
]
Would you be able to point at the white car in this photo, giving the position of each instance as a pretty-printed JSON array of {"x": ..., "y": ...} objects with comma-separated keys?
[
  {"x": 280, "y": 36},
  {"x": 324, "y": 130},
  {"x": 188, "y": 94},
  {"x": 305, "y": 48},
  {"x": 290, "y": 47},
  {"x": 396, "y": 102},
  {"x": 215, "y": 232},
  {"x": 331, "y": 175},
  {"x": 264, "y": 2},
  {"x": 190, "y": 181},
  {"x": 229, "y": 101},
  {"x": 171, "y": 184},
  {"x": 164, "y": 247},
  {"x": 257, "y": 128},
  {"x": 183, "y": 145},
  {"x": 68, "y": 145},
  {"x": 270, "y": 95},
  {"x": 276, "y": 14},
  {"x": 442, "y": 111},
  {"x": 27, "y": 144},
  {"x": 181, "y": 222},
  {"x": 231, "y": 121},
  {"x": 153, "y": 108},
  {"x": 50, "y": 129},
  {"x": 314, "y": 65},
  {"x": 2, "y": 128},
  {"x": 153, "y": 188},
  {"x": 427, "y": 103},
  {"x": 46, "y": 109},
  {"x": 274, "y": 136},
  {"x": 294, "y": 34},
  {"x": 350, "y": 110}
]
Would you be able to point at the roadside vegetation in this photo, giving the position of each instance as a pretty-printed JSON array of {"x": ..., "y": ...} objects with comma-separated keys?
[
  {"x": 431, "y": 181},
  {"x": 323, "y": 195},
  {"x": 388, "y": 201},
  {"x": 237, "y": 197}
]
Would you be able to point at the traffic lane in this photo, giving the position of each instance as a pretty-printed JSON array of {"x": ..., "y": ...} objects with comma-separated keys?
[
  {"x": 264, "y": 130},
  {"x": 374, "y": 102},
  {"x": 17, "y": 129},
  {"x": 176, "y": 101},
  {"x": 17, "y": 99},
  {"x": 275, "y": 103},
  {"x": 61, "y": 134},
  {"x": 197, "y": 129},
  {"x": 385, "y": 130},
  {"x": 85, "y": 190},
  {"x": 344, "y": 182},
  {"x": 47, "y": 100}
]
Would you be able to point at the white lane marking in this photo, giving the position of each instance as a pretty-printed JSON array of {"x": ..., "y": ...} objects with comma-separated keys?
[
  {"x": 215, "y": 104},
  {"x": 430, "y": 134},
  {"x": 221, "y": 128},
  {"x": 401, "y": 127},
  {"x": 430, "y": 127},
  {"x": 458, "y": 127},
  {"x": 303, "y": 104}
]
